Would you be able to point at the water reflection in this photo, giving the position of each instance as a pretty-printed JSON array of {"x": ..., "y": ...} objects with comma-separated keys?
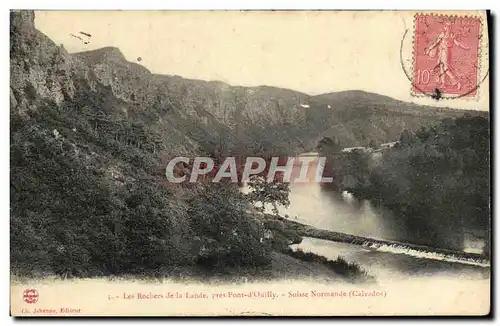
[
  {"x": 319, "y": 206},
  {"x": 389, "y": 266},
  {"x": 312, "y": 204}
]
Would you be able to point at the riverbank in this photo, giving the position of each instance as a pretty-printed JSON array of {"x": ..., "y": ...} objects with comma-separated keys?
[
  {"x": 283, "y": 266},
  {"x": 286, "y": 226},
  {"x": 282, "y": 237}
]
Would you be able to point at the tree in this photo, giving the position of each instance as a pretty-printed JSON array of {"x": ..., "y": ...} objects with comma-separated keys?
[
  {"x": 372, "y": 144},
  {"x": 406, "y": 137},
  {"x": 228, "y": 234},
  {"x": 328, "y": 145},
  {"x": 437, "y": 183},
  {"x": 264, "y": 192}
]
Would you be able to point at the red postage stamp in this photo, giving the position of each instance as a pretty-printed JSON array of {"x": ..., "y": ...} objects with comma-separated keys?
[{"x": 446, "y": 55}]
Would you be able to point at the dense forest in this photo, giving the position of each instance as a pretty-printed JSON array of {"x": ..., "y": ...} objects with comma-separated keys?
[
  {"x": 68, "y": 217},
  {"x": 84, "y": 203},
  {"x": 435, "y": 180},
  {"x": 90, "y": 135}
]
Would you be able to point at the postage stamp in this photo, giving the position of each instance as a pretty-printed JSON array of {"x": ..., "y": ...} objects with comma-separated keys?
[{"x": 446, "y": 56}]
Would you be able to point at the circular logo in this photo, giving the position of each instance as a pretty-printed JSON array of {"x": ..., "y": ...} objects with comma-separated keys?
[{"x": 30, "y": 295}]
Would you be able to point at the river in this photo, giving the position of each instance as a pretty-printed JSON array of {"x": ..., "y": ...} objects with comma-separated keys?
[{"x": 312, "y": 204}]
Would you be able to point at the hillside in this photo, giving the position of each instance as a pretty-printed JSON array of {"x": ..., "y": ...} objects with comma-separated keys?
[
  {"x": 200, "y": 114},
  {"x": 90, "y": 131},
  {"x": 190, "y": 114},
  {"x": 355, "y": 118},
  {"x": 264, "y": 118},
  {"x": 213, "y": 114}
]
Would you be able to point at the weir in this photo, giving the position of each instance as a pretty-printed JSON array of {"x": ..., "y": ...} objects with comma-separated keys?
[{"x": 394, "y": 247}]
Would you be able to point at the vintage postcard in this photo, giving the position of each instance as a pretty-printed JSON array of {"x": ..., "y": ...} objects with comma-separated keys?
[{"x": 249, "y": 163}]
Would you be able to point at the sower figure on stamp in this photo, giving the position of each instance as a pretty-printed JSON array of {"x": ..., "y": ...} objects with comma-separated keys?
[{"x": 441, "y": 48}]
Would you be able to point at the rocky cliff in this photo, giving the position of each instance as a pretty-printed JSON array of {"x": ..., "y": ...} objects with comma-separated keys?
[
  {"x": 188, "y": 114},
  {"x": 90, "y": 137}
]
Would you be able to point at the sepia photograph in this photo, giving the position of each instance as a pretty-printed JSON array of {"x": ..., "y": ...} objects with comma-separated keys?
[{"x": 250, "y": 163}]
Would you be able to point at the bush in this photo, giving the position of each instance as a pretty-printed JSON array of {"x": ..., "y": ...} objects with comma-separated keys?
[
  {"x": 230, "y": 235},
  {"x": 350, "y": 271}
]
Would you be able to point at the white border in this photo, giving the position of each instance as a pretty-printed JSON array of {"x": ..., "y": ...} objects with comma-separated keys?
[
  {"x": 202, "y": 5},
  {"x": 253, "y": 4}
]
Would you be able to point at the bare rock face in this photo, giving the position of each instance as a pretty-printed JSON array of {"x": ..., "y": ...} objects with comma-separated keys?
[
  {"x": 108, "y": 67},
  {"x": 22, "y": 21},
  {"x": 190, "y": 114},
  {"x": 39, "y": 69},
  {"x": 195, "y": 100},
  {"x": 185, "y": 112},
  {"x": 13, "y": 100}
]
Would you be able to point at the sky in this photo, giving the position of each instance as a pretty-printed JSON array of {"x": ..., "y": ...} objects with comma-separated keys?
[{"x": 313, "y": 52}]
